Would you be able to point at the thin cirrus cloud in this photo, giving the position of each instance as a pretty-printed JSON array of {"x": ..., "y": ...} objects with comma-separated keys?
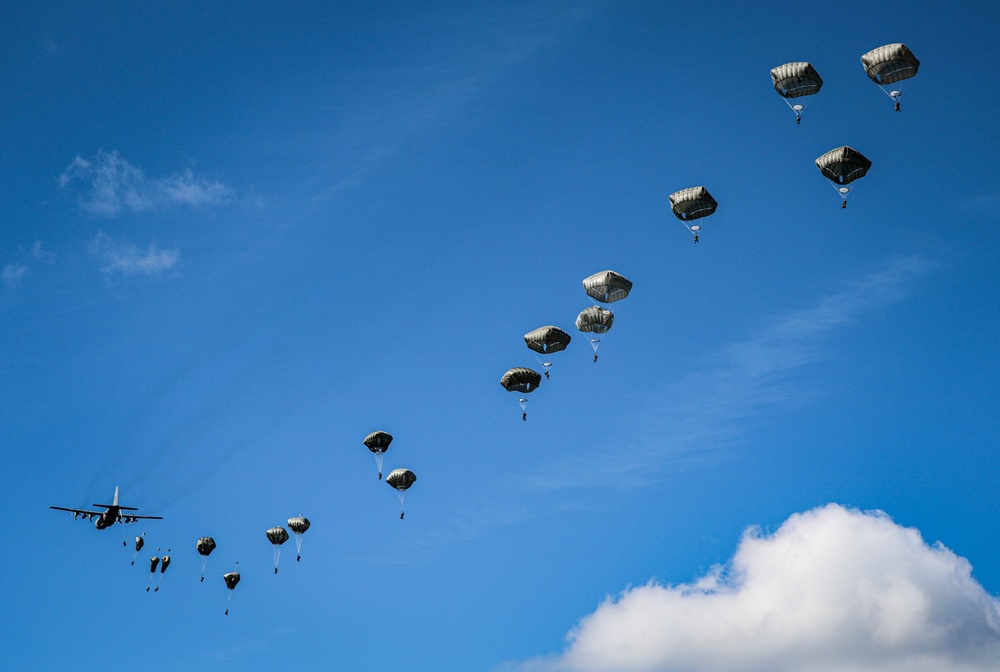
[
  {"x": 833, "y": 589},
  {"x": 126, "y": 260},
  {"x": 13, "y": 274},
  {"x": 705, "y": 415},
  {"x": 108, "y": 185}
]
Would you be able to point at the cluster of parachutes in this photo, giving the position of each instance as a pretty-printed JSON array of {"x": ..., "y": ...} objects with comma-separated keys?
[
  {"x": 205, "y": 545},
  {"x": 278, "y": 535},
  {"x": 398, "y": 479},
  {"x": 889, "y": 66},
  {"x": 604, "y": 287}
]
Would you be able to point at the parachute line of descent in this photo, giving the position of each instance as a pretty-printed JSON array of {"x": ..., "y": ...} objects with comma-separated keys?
[
  {"x": 889, "y": 66},
  {"x": 401, "y": 480},
  {"x": 795, "y": 80},
  {"x": 691, "y": 204},
  {"x": 843, "y": 166}
]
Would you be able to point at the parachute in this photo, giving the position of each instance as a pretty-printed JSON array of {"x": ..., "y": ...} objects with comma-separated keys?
[
  {"x": 277, "y": 536},
  {"x": 595, "y": 320},
  {"x": 231, "y": 578},
  {"x": 164, "y": 563},
  {"x": 546, "y": 340},
  {"x": 523, "y": 380},
  {"x": 139, "y": 542},
  {"x": 888, "y": 66},
  {"x": 378, "y": 443},
  {"x": 402, "y": 479},
  {"x": 842, "y": 166},
  {"x": 298, "y": 526},
  {"x": 607, "y": 286},
  {"x": 205, "y": 547},
  {"x": 794, "y": 80},
  {"x": 154, "y": 562},
  {"x": 690, "y": 204}
]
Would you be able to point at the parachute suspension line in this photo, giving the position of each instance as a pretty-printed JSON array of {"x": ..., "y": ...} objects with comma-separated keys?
[
  {"x": 204, "y": 563},
  {"x": 596, "y": 342},
  {"x": 277, "y": 554},
  {"x": 298, "y": 546},
  {"x": 545, "y": 365},
  {"x": 401, "y": 498},
  {"x": 229, "y": 592},
  {"x": 842, "y": 192},
  {"x": 378, "y": 463},
  {"x": 797, "y": 108}
]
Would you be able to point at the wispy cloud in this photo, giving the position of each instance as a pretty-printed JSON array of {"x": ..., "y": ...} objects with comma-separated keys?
[
  {"x": 832, "y": 589},
  {"x": 429, "y": 95},
  {"x": 128, "y": 260},
  {"x": 13, "y": 273},
  {"x": 708, "y": 411},
  {"x": 108, "y": 184}
]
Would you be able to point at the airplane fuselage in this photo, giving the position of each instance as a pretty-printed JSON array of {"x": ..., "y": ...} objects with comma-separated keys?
[{"x": 108, "y": 518}]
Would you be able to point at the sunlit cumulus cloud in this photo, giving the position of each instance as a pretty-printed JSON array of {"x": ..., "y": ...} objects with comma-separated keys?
[
  {"x": 128, "y": 260},
  {"x": 832, "y": 590},
  {"x": 109, "y": 184}
]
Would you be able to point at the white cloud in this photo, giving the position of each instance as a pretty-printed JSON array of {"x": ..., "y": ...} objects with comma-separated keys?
[
  {"x": 13, "y": 273},
  {"x": 832, "y": 590},
  {"x": 127, "y": 260},
  {"x": 111, "y": 184}
]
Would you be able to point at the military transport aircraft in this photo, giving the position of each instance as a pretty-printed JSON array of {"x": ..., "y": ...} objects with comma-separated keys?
[{"x": 112, "y": 514}]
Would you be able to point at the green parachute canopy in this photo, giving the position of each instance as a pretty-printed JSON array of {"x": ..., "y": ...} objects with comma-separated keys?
[
  {"x": 205, "y": 545},
  {"x": 890, "y": 63},
  {"x": 378, "y": 442},
  {"x": 843, "y": 165},
  {"x": 692, "y": 203},
  {"x": 607, "y": 286},
  {"x": 546, "y": 340},
  {"x": 595, "y": 320},
  {"x": 401, "y": 479},
  {"x": 231, "y": 579},
  {"x": 521, "y": 379},
  {"x": 277, "y": 535},
  {"x": 793, "y": 80}
]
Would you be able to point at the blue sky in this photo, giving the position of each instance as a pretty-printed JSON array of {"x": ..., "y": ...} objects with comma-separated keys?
[{"x": 235, "y": 242}]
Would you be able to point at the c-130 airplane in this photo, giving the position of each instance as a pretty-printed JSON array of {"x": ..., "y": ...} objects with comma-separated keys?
[{"x": 112, "y": 514}]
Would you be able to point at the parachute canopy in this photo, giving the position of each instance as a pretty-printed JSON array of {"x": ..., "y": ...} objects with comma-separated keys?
[
  {"x": 205, "y": 545},
  {"x": 693, "y": 203},
  {"x": 231, "y": 579},
  {"x": 595, "y": 320},
  {"x": 401, "y": 479},
  {"x": 277, "y": 535},
  {"x": 793, "y": 80},
  {"x": 547, "y": 340},
  {"x": 518, "y": 379},
  {"x": 153, "y": 564},
  {"x": 139, "y": 542},
  {"x": 607, "y": 286},
  {"x": 164, "y": 563},
  {"x": 298, "y": 525},
  {"x": 843, "y": 165},
  {"x": 890, "y": 63},
  {"x": 378, "y": 442}
]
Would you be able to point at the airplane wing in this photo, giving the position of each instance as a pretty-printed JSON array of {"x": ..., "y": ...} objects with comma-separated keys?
[
  {"x": 77, "y": 511},
  {"x": 131, "y": 519}
]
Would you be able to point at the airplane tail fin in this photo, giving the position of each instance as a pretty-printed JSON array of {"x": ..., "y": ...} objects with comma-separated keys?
[{"x": 115, "y": 503}]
